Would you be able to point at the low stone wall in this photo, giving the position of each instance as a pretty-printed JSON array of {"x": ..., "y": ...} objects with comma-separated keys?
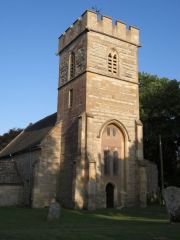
[
  {"x": 26, "y": 164},
  {"x": 11, "y": 188},
  {"x": 11, "y": 195},
  {"x": 8, "y": 172}
]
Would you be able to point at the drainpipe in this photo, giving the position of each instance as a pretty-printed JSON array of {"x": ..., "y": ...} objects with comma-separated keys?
[{"x": 30, "y": 177}]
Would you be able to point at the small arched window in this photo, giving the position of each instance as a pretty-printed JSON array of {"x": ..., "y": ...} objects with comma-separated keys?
[
  {"x": 112, "y": 62},
  {"x": 72, "y": 65},
  {"x": 70, "y": 98}
]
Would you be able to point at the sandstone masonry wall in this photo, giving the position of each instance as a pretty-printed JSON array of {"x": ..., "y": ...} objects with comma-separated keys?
[
  {"x": 26, "y": 163},
  {"x": 47, "y": 170},
  {"x": 11, "y": 189},
  {"x": 99, "y": 96},
  {"x": 113, "y": 97},
  {"x": 78, "y": 47},
  {"x": 69, "y": 154},
  {"x": 90, "y": 21},
  {"x": 11, "y": 195}
]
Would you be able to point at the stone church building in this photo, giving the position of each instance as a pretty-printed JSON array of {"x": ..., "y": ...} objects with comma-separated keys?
[{"x": 90, "y": 153}]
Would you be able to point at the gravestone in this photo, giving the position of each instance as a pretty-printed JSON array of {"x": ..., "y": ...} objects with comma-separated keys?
[
  {"x": 172, "y": 200},
  {"x": 54, "y": 211}
]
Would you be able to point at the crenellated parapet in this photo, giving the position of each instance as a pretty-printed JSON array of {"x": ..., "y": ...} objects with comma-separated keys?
[{"x": 89, "y": 21}]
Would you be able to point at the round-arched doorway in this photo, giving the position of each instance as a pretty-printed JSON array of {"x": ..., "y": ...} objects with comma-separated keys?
[{"x": 109, "y": 195}]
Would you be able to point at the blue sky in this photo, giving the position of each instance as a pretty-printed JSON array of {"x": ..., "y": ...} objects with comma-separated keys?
[{"x": 29, "y": 31}]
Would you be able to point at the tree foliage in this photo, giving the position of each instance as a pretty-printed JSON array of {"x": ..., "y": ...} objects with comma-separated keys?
[
  {"x": 8, "y": 137},
  {"x": 160, "y": 114}
]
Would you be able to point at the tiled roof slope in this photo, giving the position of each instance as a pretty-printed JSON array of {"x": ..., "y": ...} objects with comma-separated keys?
[{"x": 30, "y": 137}]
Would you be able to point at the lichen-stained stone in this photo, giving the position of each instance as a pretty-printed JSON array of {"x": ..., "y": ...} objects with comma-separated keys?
[{"x": 54, "y": 211}]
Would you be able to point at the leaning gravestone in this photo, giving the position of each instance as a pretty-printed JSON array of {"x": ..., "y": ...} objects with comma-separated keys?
[
  {"x": 54, "y": 211},
  {"x": 172, "y": 200}
]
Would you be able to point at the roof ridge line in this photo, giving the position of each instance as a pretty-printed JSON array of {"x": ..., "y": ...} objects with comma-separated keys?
[{"x": 11, "y": 142}]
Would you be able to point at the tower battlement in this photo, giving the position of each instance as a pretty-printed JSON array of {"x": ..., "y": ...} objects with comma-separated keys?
[{"x": 89, "y": 21}]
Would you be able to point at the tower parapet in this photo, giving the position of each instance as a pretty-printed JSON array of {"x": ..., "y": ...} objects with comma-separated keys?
[{"x": 89, "y": 21}]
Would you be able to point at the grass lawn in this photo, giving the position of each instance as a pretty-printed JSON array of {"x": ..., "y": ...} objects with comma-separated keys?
[{"x": 131, "y": 224}]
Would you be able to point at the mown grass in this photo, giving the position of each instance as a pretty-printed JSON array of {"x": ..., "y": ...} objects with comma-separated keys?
[{"x": 108, "y": 224}]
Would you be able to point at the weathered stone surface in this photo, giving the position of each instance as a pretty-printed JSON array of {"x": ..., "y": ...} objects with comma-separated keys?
[
  {"x": 101, "y": 98},
  {"x": 46, "y": 171},
  {"x": 9, "y": 173},
  {"x": 172, "y": 200},
  {"x": 54, "y": 211},
  {"x": 11, "y": 187},
  {"x": 11, "y": 195}
]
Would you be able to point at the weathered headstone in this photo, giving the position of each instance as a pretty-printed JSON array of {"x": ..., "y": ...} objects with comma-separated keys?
[
  {"x": 172, "y": 200},
  {"x": 54, "y": 211}
]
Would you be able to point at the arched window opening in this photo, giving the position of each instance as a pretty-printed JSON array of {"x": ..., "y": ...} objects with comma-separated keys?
[
  {"x": 112, "y": 62},
  {"x": 112, "y": 150},
  {"x": 72, "y": 65},
  {"x": 70, "y": 98}
]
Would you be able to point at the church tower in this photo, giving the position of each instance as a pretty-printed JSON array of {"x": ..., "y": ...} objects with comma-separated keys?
[{"x": 101, "y": 158}]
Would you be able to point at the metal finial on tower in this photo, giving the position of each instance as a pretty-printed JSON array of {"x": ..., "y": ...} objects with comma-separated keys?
[{"x": 98, "y": 11}]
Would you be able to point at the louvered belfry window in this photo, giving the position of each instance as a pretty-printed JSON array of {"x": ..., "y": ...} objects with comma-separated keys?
[
  {"x": 72, "y": 65},
  {"x": 112, "y": 63}
]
